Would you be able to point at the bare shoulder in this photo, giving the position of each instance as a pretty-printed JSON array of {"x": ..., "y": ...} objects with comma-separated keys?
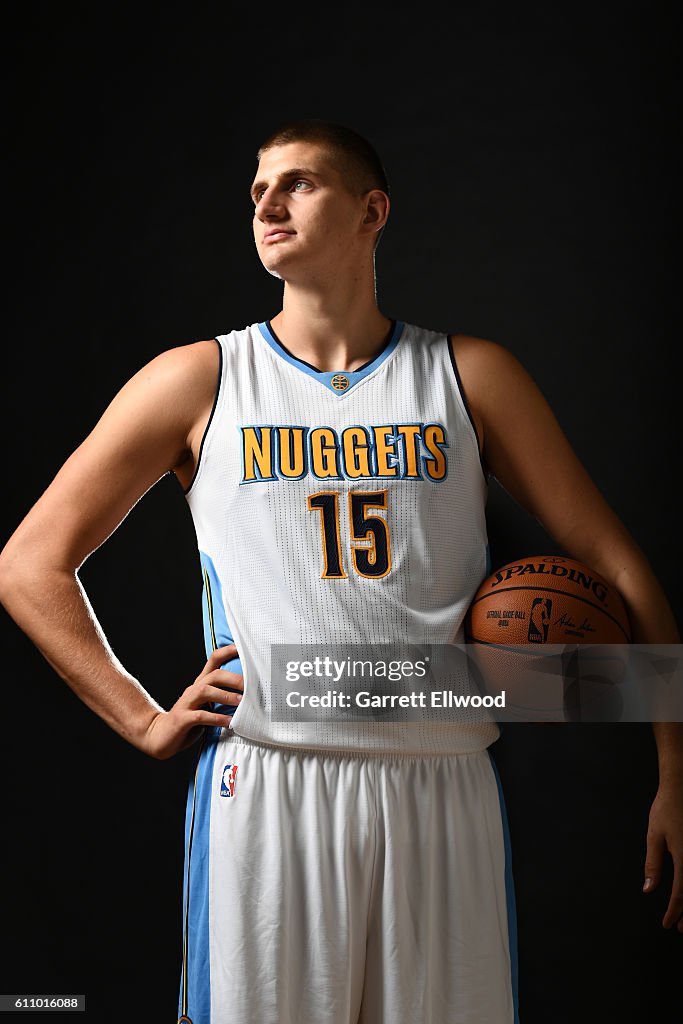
[
  {"x": 161, "y": 411},
  {"x": 187, "y": 376},
  {"x": 485, "y": 369},
  {"x": 186, "y": 372},
  {"x": 179, "y": 381},
  {"x": 149, "y": 427},
  {"x": 479, "y": 358}
]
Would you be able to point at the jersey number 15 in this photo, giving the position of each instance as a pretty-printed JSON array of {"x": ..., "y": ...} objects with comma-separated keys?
[{"x": 373, "y": 561}]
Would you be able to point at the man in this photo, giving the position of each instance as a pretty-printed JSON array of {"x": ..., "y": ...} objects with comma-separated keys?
[{"x": 335, "y": 463}]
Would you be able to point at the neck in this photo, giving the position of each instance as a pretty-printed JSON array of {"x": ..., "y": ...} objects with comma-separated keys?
[{"x": 335, "y": 329}]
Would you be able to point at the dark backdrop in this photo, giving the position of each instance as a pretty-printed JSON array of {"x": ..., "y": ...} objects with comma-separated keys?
[{"x": 535, "y": 177}]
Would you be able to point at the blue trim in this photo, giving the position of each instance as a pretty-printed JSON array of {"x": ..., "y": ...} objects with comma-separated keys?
[
  {"x": 354, "y": 376},
  {"x": 217, "y": 633},
  {"x": 196, "y": 937},
  {"x": 216, "y": 627},
  {"x": 509, "y": 893}
]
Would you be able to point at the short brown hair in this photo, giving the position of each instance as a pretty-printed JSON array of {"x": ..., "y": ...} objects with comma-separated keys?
[{"x": 361, "y": 163}]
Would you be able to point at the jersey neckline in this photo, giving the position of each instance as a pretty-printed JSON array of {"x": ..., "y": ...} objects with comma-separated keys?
[{"x": 340, "y": 382}]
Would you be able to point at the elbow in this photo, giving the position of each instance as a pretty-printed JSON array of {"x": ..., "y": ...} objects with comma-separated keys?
[
  {"x": 6, "y": 559},
  {"x": 18, "y": 571},
  {"x": 10, "y": 560},
  {"x": 27, "y": 565},
  {"x": 30, "y": 565}
]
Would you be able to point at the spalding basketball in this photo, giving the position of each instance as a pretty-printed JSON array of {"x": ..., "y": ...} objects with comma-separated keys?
[{"x": 547, "y": 599}]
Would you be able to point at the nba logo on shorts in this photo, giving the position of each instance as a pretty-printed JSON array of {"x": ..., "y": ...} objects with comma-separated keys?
[{"x": 228, "y": 780}]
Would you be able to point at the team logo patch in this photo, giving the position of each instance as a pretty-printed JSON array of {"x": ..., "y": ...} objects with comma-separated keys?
[
  {"x": 340, "y": 382},
  {"x": 228, "y": 780}
]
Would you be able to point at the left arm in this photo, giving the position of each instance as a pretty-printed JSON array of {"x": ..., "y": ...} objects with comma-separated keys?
[{"x": 537, "y": 466}]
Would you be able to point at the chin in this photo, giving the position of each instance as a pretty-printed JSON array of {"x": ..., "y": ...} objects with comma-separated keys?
[{"x": 271, "y": 271}]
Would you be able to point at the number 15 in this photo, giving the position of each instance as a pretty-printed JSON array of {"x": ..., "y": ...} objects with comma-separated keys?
[{"x": 372, "y": 562}]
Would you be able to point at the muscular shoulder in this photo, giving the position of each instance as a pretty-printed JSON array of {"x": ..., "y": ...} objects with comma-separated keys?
[
  {"x": 180, "y": 380},
  {"x": 486, "y": 370},
  {"x": 168, "y": 401},
  {"x": 187, "y": 378},
  {"x": 483, "y": 362},
  {"x": 185, "y": 373}
]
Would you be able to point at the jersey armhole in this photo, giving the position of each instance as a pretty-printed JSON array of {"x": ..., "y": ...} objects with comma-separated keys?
[
  {"x": 465, "y": 403},
  {"x": 209, "y": 421}
]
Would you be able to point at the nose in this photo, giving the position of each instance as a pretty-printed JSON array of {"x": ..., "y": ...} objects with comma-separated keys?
[{"x": 269, "y": 207}]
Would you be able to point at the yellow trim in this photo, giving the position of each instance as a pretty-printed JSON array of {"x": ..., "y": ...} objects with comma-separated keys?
[{"x": 209, "y": 602}]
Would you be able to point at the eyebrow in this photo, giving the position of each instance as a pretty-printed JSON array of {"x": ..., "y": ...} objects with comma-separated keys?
[{"x": 293, "y": 172}]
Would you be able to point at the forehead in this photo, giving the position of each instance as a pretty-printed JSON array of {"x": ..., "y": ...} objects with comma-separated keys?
[{"x": 279, "y": 159}]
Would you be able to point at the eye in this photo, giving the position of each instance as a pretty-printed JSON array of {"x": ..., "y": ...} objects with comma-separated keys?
[{"x": 301, "y": 186}]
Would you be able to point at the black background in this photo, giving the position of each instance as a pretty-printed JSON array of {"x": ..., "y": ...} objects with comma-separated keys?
[{"x": 535, "y": 181}]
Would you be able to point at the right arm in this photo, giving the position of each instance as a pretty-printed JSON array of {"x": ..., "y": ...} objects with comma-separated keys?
[{"x": 153, "y": 425}]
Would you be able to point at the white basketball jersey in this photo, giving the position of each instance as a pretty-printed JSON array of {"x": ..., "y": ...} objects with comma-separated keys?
[{"x": 339, "y": 508}]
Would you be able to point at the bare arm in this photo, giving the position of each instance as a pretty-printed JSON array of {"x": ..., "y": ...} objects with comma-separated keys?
[
  {"x": 551, "y": 483},
  {"x": 153, "y": 425}
]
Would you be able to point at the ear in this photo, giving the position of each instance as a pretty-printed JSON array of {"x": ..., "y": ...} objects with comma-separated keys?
[{"x": 376, "y": 210}]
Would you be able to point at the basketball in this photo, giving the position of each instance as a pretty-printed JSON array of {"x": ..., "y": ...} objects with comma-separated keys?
[{"x": 547, "y": 599}]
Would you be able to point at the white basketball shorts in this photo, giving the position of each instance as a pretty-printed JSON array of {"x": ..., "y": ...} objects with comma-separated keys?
[{"x": 344, "y": 888}]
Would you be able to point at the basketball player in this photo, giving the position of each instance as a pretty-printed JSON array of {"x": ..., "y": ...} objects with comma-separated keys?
[{"x": 335, "y": 462}]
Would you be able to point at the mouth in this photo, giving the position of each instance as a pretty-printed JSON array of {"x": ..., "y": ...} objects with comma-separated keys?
[{"x": 276, "y": 235}]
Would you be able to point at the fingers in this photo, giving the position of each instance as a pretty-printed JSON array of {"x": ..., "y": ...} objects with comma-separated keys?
[
  {"x": 653, "y": 861},
  {"x": 175, "y": 730},
  {"x": 211, "y": 718},
  {"x": 217, "y": 660},
  {"x": 180, "y": 726},
  {"x": 219, "y": 657},
  {"x": 218, "y": 687},
  {"x": 223, "y": 680},
  {"x": 215, "y": 684},
  {"x": 674, "y": 912},
  {"x": 216, "y": 695}
]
